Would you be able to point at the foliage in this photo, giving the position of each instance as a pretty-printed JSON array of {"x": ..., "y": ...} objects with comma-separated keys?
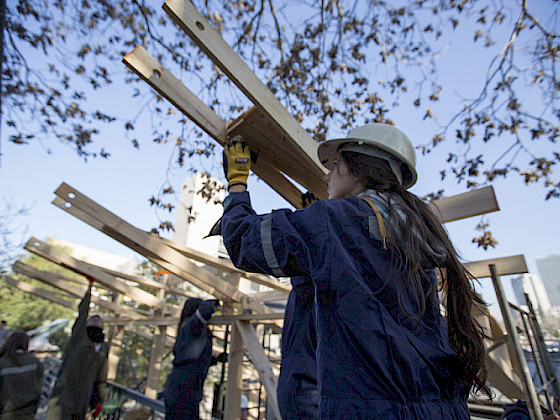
[
  {"x": 25, "y": 311},
  {"x": 331, "y": 63},
  {"x": 11, "y": 233}
]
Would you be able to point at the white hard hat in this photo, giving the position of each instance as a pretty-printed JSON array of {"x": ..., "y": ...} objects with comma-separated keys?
[{"x": 380, "y": 140}]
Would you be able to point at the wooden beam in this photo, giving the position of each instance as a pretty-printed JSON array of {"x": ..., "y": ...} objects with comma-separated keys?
[
  {"x": 60, "y": 257},
  {"x": 469, "y": 204},
  {"x": 261, "y": 363},
  {"x": 153, "y": 248},
  {"x": 74, "y": 211},
  {"x": 168, "y": 257},
  {"x": 162, "y": 81},
  {"x": 150, "y": 283},
  {"x": 267, "y": 141},
  {"x": 227, "y": 266},
  {"x": 297, "y": 145},
  {"x": 54, "y": 280},
  {"x": 215, "y": 320},
  {"x": 45, "y": 294},
  {"x": 505, "y": 266}
]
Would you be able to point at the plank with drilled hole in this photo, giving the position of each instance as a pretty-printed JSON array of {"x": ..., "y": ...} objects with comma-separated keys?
[
  {"x": 162, "y": 81},
  {"x": 505, "y": 265},
  {"x": 296, "y": 148},
  {"x": 151, "y": 245}
]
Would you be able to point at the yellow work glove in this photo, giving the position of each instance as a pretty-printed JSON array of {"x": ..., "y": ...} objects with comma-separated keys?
[
  {"x": 307, "y": 199},
  {"x": 237, "y": 162}
]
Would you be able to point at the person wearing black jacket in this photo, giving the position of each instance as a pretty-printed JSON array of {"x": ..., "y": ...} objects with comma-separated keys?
[
  {"x": 21, "y": 379},
  {"x": 193, "y": 358},
  {"x": 83, "y": 374}
]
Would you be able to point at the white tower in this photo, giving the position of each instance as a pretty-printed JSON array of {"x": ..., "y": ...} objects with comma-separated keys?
[
  {"x": 533, "y": 286},
  {"x": 549, "y": 269},
  {"x": 198, "y": 209}
]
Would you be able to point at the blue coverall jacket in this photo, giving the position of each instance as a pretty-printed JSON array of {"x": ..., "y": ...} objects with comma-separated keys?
[
  {"x": 298, "y": 397},
  {"x": 375, "y": 359},
  {"x": 193, "y": 358}
]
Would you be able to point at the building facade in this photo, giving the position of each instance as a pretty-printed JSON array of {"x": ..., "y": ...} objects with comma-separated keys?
[
  {"x": 197, "y": 211},
  {"x": 549, "y": 270},
  {"x": 531, "y": 285}
]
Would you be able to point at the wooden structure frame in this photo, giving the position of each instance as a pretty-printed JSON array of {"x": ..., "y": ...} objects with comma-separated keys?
[{"x": 286, "y": 153}]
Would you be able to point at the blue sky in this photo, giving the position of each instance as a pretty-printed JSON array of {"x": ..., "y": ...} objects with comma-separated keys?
[{"x": 526, "y": 223}]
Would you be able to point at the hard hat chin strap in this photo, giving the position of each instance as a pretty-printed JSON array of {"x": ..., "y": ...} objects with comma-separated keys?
[{"x": 369, "y": 150}]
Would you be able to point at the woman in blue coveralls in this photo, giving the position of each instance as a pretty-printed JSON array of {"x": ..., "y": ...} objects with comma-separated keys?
[
  {"x": 372, "y": 252},
  {"x": 193, "y": 357}
]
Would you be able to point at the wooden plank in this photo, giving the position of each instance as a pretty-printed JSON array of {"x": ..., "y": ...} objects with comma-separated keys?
[
  {"x": 215, "y": 320},
  {"x": 261, "y": 363},
  {"x": 56, "y": 298},
  {"x": 115, "y": 345},
  {"x": 53, "y": 279},
  {"x": 153, "y": 248},
  {"x": 267, "y": 141},
  {"x": 74, "y": 211},
  {"x": 161, "y": 80},
  {"x": 469, "y": 204},
  {"x": 150, "y": 283},
  {"x": 232, "y": 408},
  {"x": 297, "y": 143},
  {"x": 59, "y": 257},
  {"x": 270, "y": 296},
  {"x": 227, "y": 266},
  {"x": 505, "y": 266},
  {"x": 154, "y": 367},
  {"x": 196, "y": 275},
  {"x": 190, "y": 271},
  {"x": 37, "y": 291}
]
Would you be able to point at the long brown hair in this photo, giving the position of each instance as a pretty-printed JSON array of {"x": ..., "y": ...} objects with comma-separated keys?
[
  {"x": 418, "y": 227},
  {"x": 19, "y": 340}
]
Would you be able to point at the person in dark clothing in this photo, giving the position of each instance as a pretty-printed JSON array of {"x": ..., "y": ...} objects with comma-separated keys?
[
  {"x": 83, "y": 374},
  {"x": 373, "y": 252},
  {"x": 193, "y": 358},
  {"x": 21, "y": 379}
]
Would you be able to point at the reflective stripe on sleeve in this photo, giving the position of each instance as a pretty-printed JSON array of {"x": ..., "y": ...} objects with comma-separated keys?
[
  {"x": 17, "y": 369},
  {"x": 200, "y": 317},
  {"x": 268, "y": 250}
]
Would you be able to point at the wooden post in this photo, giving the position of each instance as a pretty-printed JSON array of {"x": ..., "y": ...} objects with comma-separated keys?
[
  {"x": 115, "y": 343},
  {"x": 261, "y": 363},
  {"x": 235, "y": 376},
  {"x": 158, "y": 347},
  {"x": 115, "y": 346}
]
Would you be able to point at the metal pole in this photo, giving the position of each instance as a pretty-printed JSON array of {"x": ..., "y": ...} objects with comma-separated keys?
[
  {"x": 220, "y": 410},
  {"x": 533, "y": 403},
  {"x": 539, "y": 338},
  {"x": 535, "y": 353}
]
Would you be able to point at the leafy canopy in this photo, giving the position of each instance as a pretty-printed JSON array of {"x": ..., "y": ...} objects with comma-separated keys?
[{"x": 334, "y": 64}]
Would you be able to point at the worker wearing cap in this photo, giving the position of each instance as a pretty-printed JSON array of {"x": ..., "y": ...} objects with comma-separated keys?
[{"x": 372, "y": 251}]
